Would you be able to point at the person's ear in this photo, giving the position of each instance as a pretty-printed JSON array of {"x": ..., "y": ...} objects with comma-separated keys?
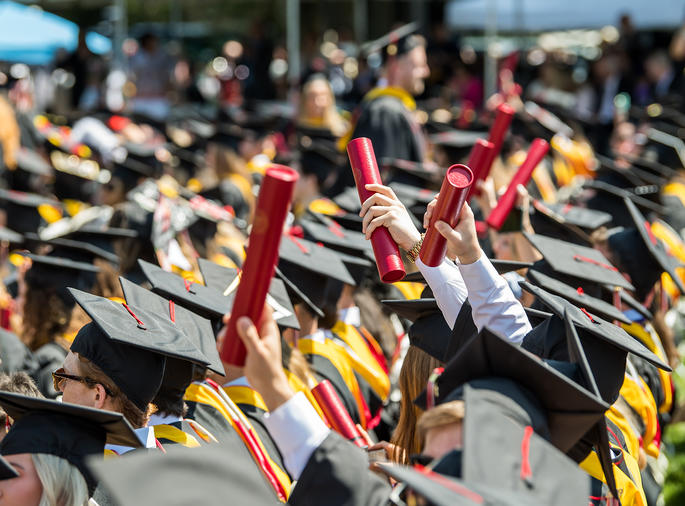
[{"x": 100, "y": 396}]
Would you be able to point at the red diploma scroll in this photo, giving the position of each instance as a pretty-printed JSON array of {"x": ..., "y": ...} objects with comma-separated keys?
[
  {"x": 480, "y": 154},
  {"x": 538, "y": 150},
  {"x": 455, "y": 187},
  {"x": 365, "y": 170},
  {"x": 272, "y": 208},
  {"x": 498, "y": 131},
  {"x": 335, "y": 412}
]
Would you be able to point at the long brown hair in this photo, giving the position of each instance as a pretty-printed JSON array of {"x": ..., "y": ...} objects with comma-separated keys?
[
  {"x": 416, "y": 369},
  {"x": 9, "y": 134},
  {"x": 45, "y": 317}
]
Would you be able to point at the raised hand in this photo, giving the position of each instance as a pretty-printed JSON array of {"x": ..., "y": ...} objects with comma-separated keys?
[{"x": 383, "y": 208}]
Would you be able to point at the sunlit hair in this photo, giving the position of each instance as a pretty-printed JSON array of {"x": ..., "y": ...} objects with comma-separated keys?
[
  {"x": 122, "y": 404},
  {"x": 10, "y": 135},
  {"x": 416, "y": 369},
  {"x": 331, "y": 117},
  {"x": 440, "y": 416},
  {"x": 63, "y": 484},
  {"x": 45, "y": 317}
]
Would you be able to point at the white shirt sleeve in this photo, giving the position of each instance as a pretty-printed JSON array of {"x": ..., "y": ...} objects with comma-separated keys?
[
  {"x": 298, "y": 430},
  {"x": 448, "y": 287},
  {"x": 493, "y": 304}
]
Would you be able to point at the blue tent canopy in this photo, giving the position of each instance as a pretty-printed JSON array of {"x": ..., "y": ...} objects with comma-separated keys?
[{"x": 31, "y": 35}]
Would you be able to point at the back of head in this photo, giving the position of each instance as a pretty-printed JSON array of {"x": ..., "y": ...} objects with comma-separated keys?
[{"x": 63, "y": 484}]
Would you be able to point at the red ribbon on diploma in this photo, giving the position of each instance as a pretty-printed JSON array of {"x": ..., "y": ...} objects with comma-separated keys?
[
  {"x": 498, "y": 131},
  {"x": 538, "y": 150},
  {"x": 478, "y": 159},
  {"x": 336, "y": 414},
  {"x": 272, "y": 208},
  {"x": 365, "y": 170},
  {"x": 453, "y": 192}
]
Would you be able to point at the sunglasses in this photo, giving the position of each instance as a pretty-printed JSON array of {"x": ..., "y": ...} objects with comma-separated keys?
[{"x": 59, "y": 377}]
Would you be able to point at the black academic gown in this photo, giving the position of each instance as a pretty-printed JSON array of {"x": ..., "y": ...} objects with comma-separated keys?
[{"x": 337, "y": 474}]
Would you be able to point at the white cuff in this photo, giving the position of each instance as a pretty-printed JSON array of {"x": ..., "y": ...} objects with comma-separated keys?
[
  {"x": 298, "y": 430},
  {"x": 448, "y": 287}
]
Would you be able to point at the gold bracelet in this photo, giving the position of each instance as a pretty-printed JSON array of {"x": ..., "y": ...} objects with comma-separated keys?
[{"x": 413, "y": 253}]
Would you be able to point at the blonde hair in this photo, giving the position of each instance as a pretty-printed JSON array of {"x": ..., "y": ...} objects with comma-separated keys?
[
  {"x": 63, "y": 484},
  {"x": 331, "y": 117},
  {"x": 440, "y": 416},
  {"x": 416, "y": 369},
  {"x": 10, "y": 135}
]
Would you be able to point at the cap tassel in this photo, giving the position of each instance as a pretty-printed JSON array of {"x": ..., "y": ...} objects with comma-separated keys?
[
  {"x": 581, "y": 258},
  {"x": 526, "y": 471},
  {"x": 188, "y": 284},
  {"x": 141, "y": 325},
  {"x": 172, "y": 311},
  {"x": 432, "y": 387}
]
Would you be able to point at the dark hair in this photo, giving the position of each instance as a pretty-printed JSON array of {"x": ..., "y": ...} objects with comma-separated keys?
[{"x": 46, "y": 316}]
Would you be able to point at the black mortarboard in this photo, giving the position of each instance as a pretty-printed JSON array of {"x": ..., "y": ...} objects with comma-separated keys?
[
  {"x": 577, "y": 296},
  {"x": 76, "y": 178},
  {"x": 609, "y": 199},
  {"x": 559, "y": 220},
  {"x": 501, "y": 266},
  {"x": 348, "y": 199},
  {"x": 321, "y": 160},
  {"x": 570, "y": 410},
  {"x": 23, "y": 209},
  {"x": 56, "y": 273},
  {"x": 606, "y": 345},
  {"x": 431, "y": 333},
  {"x": 360, "y": 268},
  {"x": 209, "y": 475},
  {"x": 220, "y": 278},
  {"x": 130, "y": 345},
  {"x": 205, "y": 301},
  {"x": 524, "y": 462},
  {"x": 577, "y": 261},
  {"x": 411, "y": 195},
  {"x": 335, "y": 237},
  {"x": 75, "y": 250},
  {"x": 296, "y": 295},
  {"x": 197, "y": 329},
  {"x": 319, "y": 271},
  {"x": 625, "y": 177},
  {"x": 396, "y": 43},
  {"x": 65, "y": 430},
  {"x": 313, "y": 258},
  {"x": 644, "y": 269},
  {"x": 407, "y": 170}
]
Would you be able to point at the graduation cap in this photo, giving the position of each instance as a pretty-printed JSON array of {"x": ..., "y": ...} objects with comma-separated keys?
[
  {"x": 625, "y": 177},
  {"x": 74, "y": 250},
  {"x": 406, "y": 170},
  {"x": 501, "y": 266},
  {"x": 431, "y": 333},
  {"x": 68, "y": 431},
  {"x": 321, "y": 160},
  {"x": 296, "y": 295},
  {"x": 335, "y": 237},
  {"x": 524, "y": 463},
  {"x": 577, "y": 296},
  {"x": 348, "y": 199},
  {"x": 25, "y": 210},
  {"x": 197, "y": 329},
  {"x": 52, "y": 273},
  {"x": 642, "y": 255},
  {"x": 609, "y": 199},
  {"x": 205, "y": 301},
  {"x": 395, "y": 43},
  {"x": 320, "y": 272},
  {"x": 606, "y": 345},
  {"x": 207, "y": 474},
  {"x": 77, "y": 178},
  {"x": 577, "y": 261},
  {"x": 222, "y": 278},
  {"x": 566, "y": 409},
  {"x": 130, "y": 345},
  {"x": 567, "y": 221}
]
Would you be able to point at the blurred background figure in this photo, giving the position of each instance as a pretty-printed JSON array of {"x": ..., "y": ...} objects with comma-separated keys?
[{"x": 150, "y": 71}]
